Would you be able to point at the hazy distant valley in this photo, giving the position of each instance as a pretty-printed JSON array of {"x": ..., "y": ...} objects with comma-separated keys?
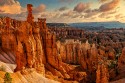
[{"x": 112, "y": 24}]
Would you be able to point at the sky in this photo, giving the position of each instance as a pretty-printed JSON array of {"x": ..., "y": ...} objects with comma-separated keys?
[{"x": 66, "y": 11}]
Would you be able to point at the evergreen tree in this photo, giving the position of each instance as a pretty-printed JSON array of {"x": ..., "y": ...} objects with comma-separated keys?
[{"x": 7, "y": 78}]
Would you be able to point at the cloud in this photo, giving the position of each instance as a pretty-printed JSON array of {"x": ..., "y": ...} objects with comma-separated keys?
[
  {"x": 107, "y": 14},
  {"x": 39, "y": 9},
  {"x": 62, "y": 8},
  {"x": 109, "y": 6},
  {"x": 67, "y": 14},
  {"x": 80, "y": 7},
  {"x": 106, "y": 10},
  {"x": 7, "y": 2},
  {"x": 8, "y": 6},
  {"x": 103, "y": 1},
  {"x": 20, "y": 16},
  {"x": 103, "y": 15},
  {"x": 113, "y": 12},
  {"x": 119, "y": 16},
  {"x": 71, "y": 14},
  {"x": 91, "y": 13}
]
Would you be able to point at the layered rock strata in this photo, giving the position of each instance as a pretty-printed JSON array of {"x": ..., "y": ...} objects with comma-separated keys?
[{"x": 32, "y": 44}]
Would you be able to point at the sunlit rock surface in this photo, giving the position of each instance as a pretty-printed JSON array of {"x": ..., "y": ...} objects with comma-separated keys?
[{"x": 29, "y": 76}]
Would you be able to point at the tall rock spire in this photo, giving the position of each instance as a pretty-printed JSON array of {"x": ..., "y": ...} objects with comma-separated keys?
[{"x": 30, "y": 16}]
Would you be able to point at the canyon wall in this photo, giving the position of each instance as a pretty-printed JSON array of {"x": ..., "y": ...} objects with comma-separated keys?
[
  {"x": 87, "y": 56},
  {"x": 32, "y": 45}
]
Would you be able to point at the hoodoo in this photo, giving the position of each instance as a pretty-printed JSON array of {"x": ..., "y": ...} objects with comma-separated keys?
[{"x": 30, "y": 16}]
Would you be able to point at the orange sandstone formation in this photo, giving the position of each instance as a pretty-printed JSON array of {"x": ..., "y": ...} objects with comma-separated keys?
[
  {"x": 102, "y": 75},
  {"x": 33, "y": 45},
  {"x": 30, "y": 16},
  {"x": 121, "y": 60}
]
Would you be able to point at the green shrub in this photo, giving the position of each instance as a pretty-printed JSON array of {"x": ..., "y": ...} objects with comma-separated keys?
[
  {"x": 112, "y": 64},
  {"x": 7, "y": 78}
]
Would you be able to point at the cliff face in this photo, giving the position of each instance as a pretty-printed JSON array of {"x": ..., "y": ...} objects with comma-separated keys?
[
  {"x": 32, "y": 46},
  {"x": 121, "y": 60},
  {"x": 24, "y": 42},
  {"x": 87, "y": 56},
  {"x": 121, "y": 66},
  {"x": 73, "y": 52},
  {"x": 67, "y": 32},
  {"x": 27, "y": 40},
  {"x": 102, "y": 75}
]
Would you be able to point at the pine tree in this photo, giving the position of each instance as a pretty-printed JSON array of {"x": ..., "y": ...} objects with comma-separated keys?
[{"x": 7, "y": 78}]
